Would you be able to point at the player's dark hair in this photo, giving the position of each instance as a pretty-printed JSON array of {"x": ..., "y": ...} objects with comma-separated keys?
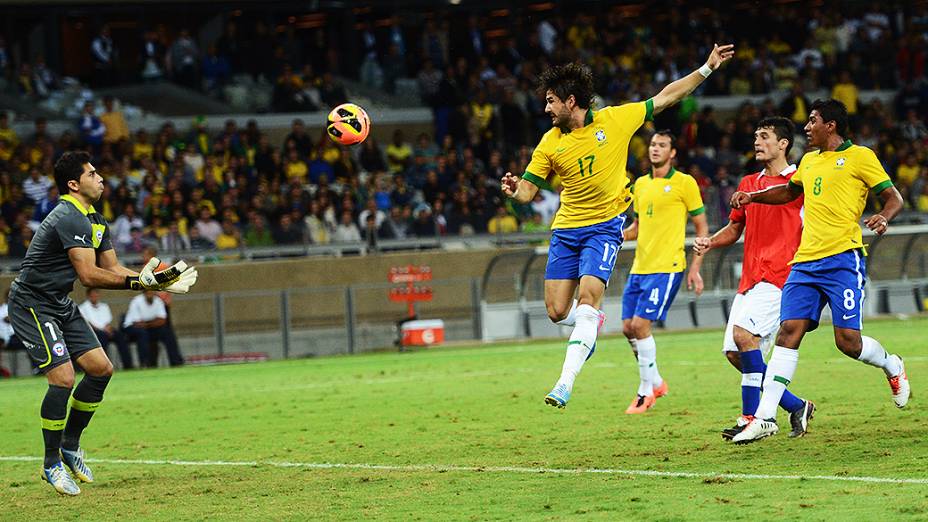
[
  {"x": 832, "y": 110},
  {"x": 782, "y": 127},
  {"x": 69, "y": 167},
  {"x": 567, "y": 79},
  {"x": 667, "y": 133}
]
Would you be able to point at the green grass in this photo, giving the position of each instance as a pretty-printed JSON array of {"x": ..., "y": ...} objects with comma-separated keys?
[{"x": 482, "y": 407}]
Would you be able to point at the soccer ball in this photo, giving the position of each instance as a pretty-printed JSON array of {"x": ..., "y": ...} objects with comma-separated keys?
[{"x": 348, "y": 124}]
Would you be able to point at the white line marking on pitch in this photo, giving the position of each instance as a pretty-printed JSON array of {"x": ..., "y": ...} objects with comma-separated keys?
[{"x": 434, "y": 468}]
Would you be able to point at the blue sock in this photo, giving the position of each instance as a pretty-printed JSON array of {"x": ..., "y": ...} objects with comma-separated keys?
[
  {"x": 752, "y": 378},
  {"x": 790, "y": 402}
]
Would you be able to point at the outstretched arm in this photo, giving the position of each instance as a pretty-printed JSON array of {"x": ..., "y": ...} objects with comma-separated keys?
[
  {"x": 93, "y": 276},
  {"x": 775, "y": 195},
  {"x": 676, "y": 91},
  {"x": 724, "y": 237},
  {"x": 108, "y": 261}
]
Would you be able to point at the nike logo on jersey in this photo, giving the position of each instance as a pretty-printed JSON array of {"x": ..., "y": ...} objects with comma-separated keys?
[
  {"x": 82, "y": 239},
  {"x": 649, "y": 310},
  {"x": 560, "y": 150},
  {"x": 606, "y": 268},
  {"x": 846, "y": 317}
]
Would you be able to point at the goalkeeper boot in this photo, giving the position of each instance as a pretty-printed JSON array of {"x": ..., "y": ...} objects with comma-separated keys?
[
  {"x": 755, "y": 430},
  {"x": 640, "y": 404},
  {"x": 74, "y": 460},
  {"x": 60, "y": 479},
  {"x": 558, "y": 397},
  {"x": 729, "y": 433},
  {"x": 800, "y": 418},
  {"x": 900, "y": 386}
]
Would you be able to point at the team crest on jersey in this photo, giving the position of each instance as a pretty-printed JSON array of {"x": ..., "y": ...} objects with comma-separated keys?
[
  {"x": 840, "y": 163},
  {"x": 97, "y": 234},
  {"x": 667, "y": 188},
  {"x": 600, "y": 135},
  {"x": 58, "y": 349}
]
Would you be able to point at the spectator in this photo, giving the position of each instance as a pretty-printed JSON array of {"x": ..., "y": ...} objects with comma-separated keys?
[
  {"x": 371, "y": 210},
  {"x": 395, "y": 226},
  {"x": 36, "y": 186},
  {"x": 288, "y": 232},
  {"x": 229, "y": 238},
  {"x": 216, "y": 71},
  {"x": 846, "y": 92},
  {"x": 100, "y": 317},
  {"x": 104, "y": 58},
  {"x": 91, "y": 128},
  {"x": 145, "y": 323},
  {"x": 317, "y": 229},
  {"x": 121, "y": 229},
  {"x": 114, "y": 123},
  {"x": 175, "y": 241},
  {"x": 207, "y": 227},
  {"x": 6, "y": 132},
  {"x": 257, "y": 233},
  {"x": 399, "y": 153},
  {"x": 346, "y": 231},
  {"x": 152, "y": 57},
  {"x": 423, "y": 224},
  {"x": 46, "y": 205},
  {"x": 535, "y": 225},
  {"x": 199, "y": 243},
  {"x": 183, "y": 61},
  {"x": 502, "y": 222}
]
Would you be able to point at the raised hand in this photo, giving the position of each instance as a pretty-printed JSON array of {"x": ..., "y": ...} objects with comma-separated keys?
[
  {"x": 720, "y": 55},
  {"x": 509, "y": 183},
  {"x": 740, "y": 199}
]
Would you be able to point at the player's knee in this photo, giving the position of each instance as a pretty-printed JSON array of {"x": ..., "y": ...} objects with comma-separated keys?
[
  {"x": 627, "y": 330},
  {"x": 557, "y": 312},
  {"x": 641, "y": 328},
  {"x": 790, "y": 333},
  {"x": 104, "y": 371},
  {"x": 734, "y": 358},
  {"x": 63, "y": 379},
  {"x": 849, "y": 342},
  {"x": 744, "y": 339}
]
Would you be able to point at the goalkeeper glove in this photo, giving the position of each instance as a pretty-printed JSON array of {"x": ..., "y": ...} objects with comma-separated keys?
[{"x": 177, "y": 279}]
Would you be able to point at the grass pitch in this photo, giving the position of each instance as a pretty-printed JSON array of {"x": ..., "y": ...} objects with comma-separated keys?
[{"x": 462, "y": 434}]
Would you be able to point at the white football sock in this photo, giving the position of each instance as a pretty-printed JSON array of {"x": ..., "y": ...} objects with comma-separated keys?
[
  {"x": 780, "y": 371},
  {"x": 571, "y": 318},
  {"x": 873, "y": 353},
  {"x": 647, "y": 354},
  {"x": 581, "y": 342}
]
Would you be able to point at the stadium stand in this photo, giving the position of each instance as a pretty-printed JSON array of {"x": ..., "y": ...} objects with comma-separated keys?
[{"x": 182, "y": 187}]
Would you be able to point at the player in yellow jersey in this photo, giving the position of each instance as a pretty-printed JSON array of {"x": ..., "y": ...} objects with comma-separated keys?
[
  {"x": 829, "y": 267},
  {"x": 662, "y": 200},
  {"x": 586, "y": 152}
]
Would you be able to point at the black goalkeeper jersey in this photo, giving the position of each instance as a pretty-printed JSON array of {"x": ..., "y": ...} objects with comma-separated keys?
[{"x": 47, "y": 273}]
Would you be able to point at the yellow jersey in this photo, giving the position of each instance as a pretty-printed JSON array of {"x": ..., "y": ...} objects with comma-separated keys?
[
  {"x": 663, "y": 205},
  {"x": 835, "y": 185},
  {"x": 589, "y": 163}
]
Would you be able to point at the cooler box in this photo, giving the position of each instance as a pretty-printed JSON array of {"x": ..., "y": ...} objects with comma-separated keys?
[{"x": 423, "y": 332}]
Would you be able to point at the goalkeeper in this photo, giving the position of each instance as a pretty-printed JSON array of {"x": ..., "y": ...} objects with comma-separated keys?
[{"x": 73, "y": 242}]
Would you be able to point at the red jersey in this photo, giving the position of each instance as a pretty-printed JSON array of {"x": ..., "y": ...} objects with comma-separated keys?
[{"x": 771, "y": 232}]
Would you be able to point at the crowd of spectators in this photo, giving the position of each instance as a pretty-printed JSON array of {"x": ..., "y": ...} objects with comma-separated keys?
[{"x": 186, "y": 188}]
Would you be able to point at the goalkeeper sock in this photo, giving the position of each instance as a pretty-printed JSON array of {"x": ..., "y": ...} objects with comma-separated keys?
[
  {"x": 87, "y": 397},
  {"x": 581, "y": 342},
  {"x": 54, "y": 409}
]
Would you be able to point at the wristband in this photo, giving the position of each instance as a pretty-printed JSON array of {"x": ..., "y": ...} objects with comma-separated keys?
[
  {"x": 133, "y": 283},
  {"x": 705, "y": 70}
]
